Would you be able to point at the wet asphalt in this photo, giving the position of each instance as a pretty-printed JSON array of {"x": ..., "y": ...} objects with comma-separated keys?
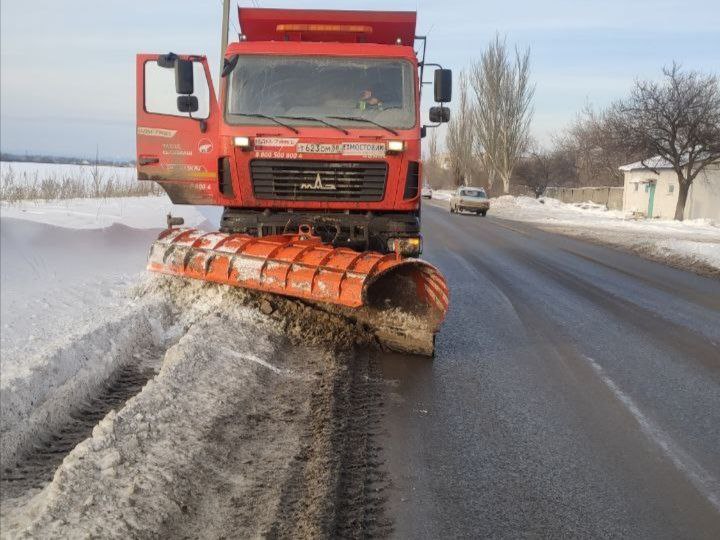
[{"x": 575, "y": 392}]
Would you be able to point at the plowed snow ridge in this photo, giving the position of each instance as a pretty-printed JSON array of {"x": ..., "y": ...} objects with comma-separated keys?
[{"x": 239, "y": 433}]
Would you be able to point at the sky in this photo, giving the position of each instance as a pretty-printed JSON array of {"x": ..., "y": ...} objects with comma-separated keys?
[{"x": 67, "y": 79}]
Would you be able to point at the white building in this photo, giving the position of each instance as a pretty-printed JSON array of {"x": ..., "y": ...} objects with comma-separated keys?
[{"x": 655, "y": 194}]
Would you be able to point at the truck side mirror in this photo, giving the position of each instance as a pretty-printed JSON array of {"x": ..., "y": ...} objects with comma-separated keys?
[
  {"x": 187, "y": 104},
  {"x": 443, "y": 85},
  {"x": 184, "y": 80},
  {"x": 439, "y": 115}
]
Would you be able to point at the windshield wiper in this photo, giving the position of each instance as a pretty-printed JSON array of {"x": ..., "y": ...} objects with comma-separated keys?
[
  {"x": 268, "y": 117},
  {"x": 313, "y": 119},
  {"x": 361, "y": 119}
]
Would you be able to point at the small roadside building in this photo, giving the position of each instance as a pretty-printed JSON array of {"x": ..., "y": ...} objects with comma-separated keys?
[{"x": 651, "y": 190}]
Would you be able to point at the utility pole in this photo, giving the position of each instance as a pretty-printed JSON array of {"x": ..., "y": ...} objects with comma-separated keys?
[{"x": 224, "y": 35}]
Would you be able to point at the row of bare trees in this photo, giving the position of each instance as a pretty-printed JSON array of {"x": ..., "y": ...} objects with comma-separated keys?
[
  {"x": 676, "y": 119},
  {"x": 671, "y": 123},
  {"x": 502, "y": 109},
  {"x": 489, "y": 129}
]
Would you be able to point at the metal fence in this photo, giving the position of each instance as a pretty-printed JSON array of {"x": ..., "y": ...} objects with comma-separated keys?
[{"x": 611, "y": 197}]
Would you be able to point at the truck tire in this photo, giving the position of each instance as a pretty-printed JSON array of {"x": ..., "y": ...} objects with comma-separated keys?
[{"x": 483, "y": 213}]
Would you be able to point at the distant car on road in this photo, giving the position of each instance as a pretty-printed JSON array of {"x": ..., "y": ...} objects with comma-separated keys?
[
  {"x": 426, "y": 192},
  {"x": 469, "y": 199}
]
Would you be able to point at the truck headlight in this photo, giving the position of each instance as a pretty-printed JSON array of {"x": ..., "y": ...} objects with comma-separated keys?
[
  {"x": 242, "y": 142},
  {"x": 396, "y": 146}
]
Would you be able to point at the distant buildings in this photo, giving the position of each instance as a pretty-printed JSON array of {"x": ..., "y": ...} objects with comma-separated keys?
[
  {"x": 655, "y": 194},
  {"x": 443, "y": 159}
]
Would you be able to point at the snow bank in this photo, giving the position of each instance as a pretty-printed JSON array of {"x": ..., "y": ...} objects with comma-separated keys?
[
  {"x": 68, "y": 319},
  {"x": 442, "y": 194},
  {"x": 693, "y": 240},
  {"x": 143, "y": 465},
  {"x": 55, "y": 281},
  {"x": 136, "y": 212},
  {"x": 64, "y": 264},
  {"x": 40, "y": 394}
]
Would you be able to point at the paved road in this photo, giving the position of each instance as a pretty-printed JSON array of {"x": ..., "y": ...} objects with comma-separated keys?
[{"x": 575, "y": 392}]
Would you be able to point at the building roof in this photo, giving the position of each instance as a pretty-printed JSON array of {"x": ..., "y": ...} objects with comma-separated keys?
[{"x": 655, "y": 162}]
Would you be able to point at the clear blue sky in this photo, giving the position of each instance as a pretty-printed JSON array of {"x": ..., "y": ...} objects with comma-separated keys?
[{"x": 67, "y": 67}]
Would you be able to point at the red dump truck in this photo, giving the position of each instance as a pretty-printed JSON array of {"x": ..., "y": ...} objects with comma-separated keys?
[
  {"x": 317, "y": 121},
  {"x": 316, "y": 132}
]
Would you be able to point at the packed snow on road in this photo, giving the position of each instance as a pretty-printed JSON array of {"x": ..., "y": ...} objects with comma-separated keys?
[{"x": 694, "y": 244}]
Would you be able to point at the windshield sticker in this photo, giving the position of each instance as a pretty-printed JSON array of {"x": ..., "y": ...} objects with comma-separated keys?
[
  {"x": 280, "y": 142},
  {"x": 363, "y": 149},
  {"x": 205, "y": 146},
  {"x": 156, "y": 132},
  {"x": 318, "y": 148}
]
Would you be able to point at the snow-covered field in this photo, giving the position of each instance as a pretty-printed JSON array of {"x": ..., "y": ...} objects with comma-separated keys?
[{"x": 690, "y": 243}]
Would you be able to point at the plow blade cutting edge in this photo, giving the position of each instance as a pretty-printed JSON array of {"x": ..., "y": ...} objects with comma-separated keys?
[{"x": 403, "y": 300}]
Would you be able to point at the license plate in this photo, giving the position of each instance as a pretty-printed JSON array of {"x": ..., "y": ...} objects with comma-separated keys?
[{"x": 318, "y": 148}]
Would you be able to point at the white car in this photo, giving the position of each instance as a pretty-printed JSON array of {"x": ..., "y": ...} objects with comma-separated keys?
[
  {"x": 426, "y": 192},
  {"x": 469, "y": 199}
]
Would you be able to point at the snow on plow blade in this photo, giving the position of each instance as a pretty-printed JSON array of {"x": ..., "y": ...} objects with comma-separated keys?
[{"x": 404, "y": 300}]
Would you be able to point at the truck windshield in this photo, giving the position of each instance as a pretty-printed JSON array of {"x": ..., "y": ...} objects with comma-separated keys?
[{"x": 380, "y": 90}]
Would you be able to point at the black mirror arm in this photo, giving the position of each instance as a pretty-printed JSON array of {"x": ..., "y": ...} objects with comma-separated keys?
[
  {"x": 201, "y": 121},
  {"x": 423, "y": 64}
]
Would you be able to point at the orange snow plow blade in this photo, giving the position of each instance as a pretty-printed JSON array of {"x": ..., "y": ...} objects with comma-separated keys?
[{"x": 301, "y": 266}]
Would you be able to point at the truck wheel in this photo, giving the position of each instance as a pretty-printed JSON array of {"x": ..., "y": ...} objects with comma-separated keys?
[
  {"x": 483, "y": 213},
  {"x": 452, "y": 210}
]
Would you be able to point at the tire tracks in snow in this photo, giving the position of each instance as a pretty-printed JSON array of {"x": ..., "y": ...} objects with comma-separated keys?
[
  {"x": 60, "y": 388},
  {"x": 35, "y": 468},
  {"x": 253, "y": 426}
]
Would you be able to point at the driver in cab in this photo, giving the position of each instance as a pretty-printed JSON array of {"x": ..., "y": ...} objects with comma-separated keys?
[{"x": 369, "y": 101}]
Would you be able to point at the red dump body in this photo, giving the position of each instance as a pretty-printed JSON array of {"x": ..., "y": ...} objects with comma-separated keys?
[
  {"x": 303, "y": 63},
  {"x": 383, "y": 27}
]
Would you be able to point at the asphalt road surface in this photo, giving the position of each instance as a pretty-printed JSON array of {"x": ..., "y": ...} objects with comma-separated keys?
[{"x": 575, "y": 393}]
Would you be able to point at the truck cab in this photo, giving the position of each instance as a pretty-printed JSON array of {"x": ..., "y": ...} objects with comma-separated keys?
[{"x": 316, "y": 124}]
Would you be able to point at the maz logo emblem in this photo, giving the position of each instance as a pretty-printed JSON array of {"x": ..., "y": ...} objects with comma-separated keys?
[{"x": 319, "y": 185}]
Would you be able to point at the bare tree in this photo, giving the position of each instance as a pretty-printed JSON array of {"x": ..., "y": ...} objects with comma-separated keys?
[
  {"x": 503, "y": 108},
  {"x": 433, "y": 173},
  {"x": 542, "y": 168},
  {"x": 534, "y": 171},
  {"x": 597, "y": 152},
  {"x": 677, "y": 119},
  {"x": 432, "y": 148},
  {"x": 461, "y": 134}
]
